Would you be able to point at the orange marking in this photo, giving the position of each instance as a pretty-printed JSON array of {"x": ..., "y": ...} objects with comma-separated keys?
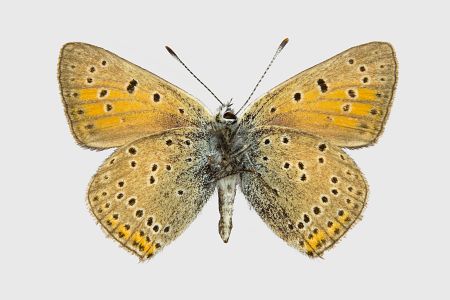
[
  {"x": 367, "y": 94},
  {"x": 343, "y": 217},
  {"x": 112, "y": 221},
  {"x": 312, "y": 95},
  {"x": 88, "y": 94},
  {"x": 126, "y": 233},
  {"x": 106, "y": 122},
  {"x": 316, "y": 239},
  {"x": 345, "y": 122},
  {"x": 333, "y": 228}
]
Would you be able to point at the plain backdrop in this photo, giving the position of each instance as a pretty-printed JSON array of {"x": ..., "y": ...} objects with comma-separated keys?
[{"x": 51, "y": 247}]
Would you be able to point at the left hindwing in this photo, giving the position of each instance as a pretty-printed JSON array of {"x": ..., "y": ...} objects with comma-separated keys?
[
  {"x": 344, "y": 100},
  {"x": 306, "y": 190},
  {"x": 147, "y": 192}
]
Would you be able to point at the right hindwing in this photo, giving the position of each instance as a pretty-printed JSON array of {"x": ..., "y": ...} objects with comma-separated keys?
[{"x": 306, "y": 190}]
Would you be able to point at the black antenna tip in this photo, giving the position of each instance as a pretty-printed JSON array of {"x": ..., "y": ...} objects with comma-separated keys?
[
  {"x": 283, "y": 43},
  {"x": 171, "y": 51}
]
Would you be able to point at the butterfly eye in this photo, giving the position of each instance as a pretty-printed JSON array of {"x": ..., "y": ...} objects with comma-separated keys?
[{"x": 229, "y": 116}]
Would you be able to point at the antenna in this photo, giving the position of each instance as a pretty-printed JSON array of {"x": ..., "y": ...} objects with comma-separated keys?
[
  {"x": 282, "y": 44},
  {"x": 177, "y": 58}
]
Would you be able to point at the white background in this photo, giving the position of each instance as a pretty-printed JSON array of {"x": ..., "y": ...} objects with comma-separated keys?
[{"x": 51, "y": 247}]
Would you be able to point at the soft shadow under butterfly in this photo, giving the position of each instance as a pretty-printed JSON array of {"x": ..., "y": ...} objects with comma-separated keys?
[{"x": 284, "y": 150}]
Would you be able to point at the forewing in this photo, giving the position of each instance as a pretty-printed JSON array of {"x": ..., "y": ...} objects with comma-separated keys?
[
  {"x": 149, "y": 191},
  {"x": 345, "y": 99},
  {"x": 110, "y": 102},
  {"x": 306, "y": 190}
]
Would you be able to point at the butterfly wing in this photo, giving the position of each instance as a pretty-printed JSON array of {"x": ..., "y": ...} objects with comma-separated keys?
[
  {"x": 147, "y": 192},
  {"x": 110, "y": 102},
  {"x": 308, "y": 191},
  {"x": 345, "y": 99}
]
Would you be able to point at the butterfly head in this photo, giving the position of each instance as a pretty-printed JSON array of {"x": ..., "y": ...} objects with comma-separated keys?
[{"x": 226, "y": 114}]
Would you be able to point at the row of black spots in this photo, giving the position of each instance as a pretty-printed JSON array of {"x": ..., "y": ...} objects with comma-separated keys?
[
  {"x": 297, "y": 96},
  {"x": 153, "y": 224},
  {"x": 120, "y": 234},
  {"x": 304, "y": 245},
  {"x": 132, "y": 150},
  {"x": 273, "y": 109},
  {"x": 133, "y": 164},
  {"x": 363, "y": 125},
  {"x": 89, "y": 80},
  {"x": 374, "y": 112},
  {"x": 313, "y": 233},
  {"x": 304, "y": 222},
  {"x": 325, "y": 199},
  {"x": 120, "y": 196},
  {"x": 322, "y": 147},
  {"x": 103, "y": 93},
  {"x": 139, "y": 213},
  {"x": 323, "y": 86},
  {"x": 132, "y": 86},
  {"x": 181, "y": 111},
  {"x": 286, "y": 165},
  {"x": 108, "y": 107},
  {"x": 301, "y": 165},
  {"x": 120, "y": 183},
  {"x": 141, "y": 246},
  {"x": 152, "y": 180},
  {"x": 337, "y": 230},
  {"x": 131, "y": 201},
  {"x": 115, "y": 216},
  {"x": 351, "y": 61},
  {"x": 92, "y": 69},
  {"x": 89, "y": 126},
  {"x": 365, "y": 79},
  {"x": 105, "y": 177},
  {"x": 321, "y": 160},
  {"x": 352, "y": 204},
  {"x": 285, "y": 140},
  {"x": 334, "y": 180},
  {"x": 303, "y": 177},
  {"x": 290, "y": 226},
  {"x": 362, "y": 68},
  {"x": 317, "y": 210},
  {"x": 341, "y": 213},
  {"x": 346, "y": 107},
  {"x": 351, "y": 93},
  {"x": 334, "y": 192}
]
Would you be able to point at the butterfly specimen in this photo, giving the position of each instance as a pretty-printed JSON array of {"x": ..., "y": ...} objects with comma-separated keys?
[{"x": 284, "y": 150}]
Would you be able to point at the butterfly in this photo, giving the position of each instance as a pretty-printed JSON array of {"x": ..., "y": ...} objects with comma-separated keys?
[{"x": 285, "y": 150}]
